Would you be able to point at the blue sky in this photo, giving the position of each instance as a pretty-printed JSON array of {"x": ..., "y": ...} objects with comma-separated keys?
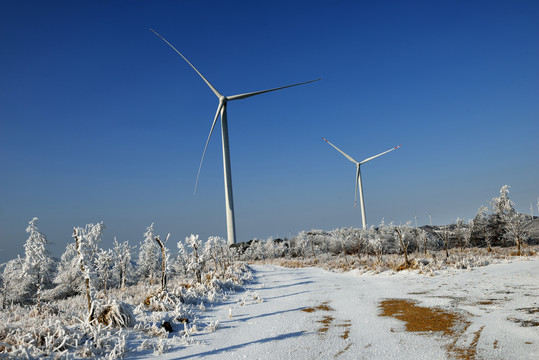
[{"x": 101, "y": 121}]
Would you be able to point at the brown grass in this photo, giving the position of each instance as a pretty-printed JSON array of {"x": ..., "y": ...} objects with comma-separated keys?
[
  {"x": 322, "y": 307},
  {"x": 418, "y": 318},
  {"x": 343, "y": 350},
  {"x": 425, "y": 320},
  {"x": 485, "y": 302},
  {"x": 327, "y": 322},
  {"x": 425, "y": 264}
]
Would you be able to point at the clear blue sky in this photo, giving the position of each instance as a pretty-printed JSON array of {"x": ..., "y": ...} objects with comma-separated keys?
[{"x": 101, "y": 121}]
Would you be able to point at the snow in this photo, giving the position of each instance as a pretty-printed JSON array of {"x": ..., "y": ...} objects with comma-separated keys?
[{"x": 268, "y": 319}]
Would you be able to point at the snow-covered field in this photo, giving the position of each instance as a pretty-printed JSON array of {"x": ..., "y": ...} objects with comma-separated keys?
[{"x": 310, "y": 313}]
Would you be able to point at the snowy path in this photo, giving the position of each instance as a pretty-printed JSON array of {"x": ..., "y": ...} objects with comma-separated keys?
[{"x": 314, "y": 314}]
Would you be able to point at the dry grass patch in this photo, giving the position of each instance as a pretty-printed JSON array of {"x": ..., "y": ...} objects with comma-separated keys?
[
  {"x": 322, "y": 307},
  {"x": 418, "y": 318},
  {"x": 328, "y": 322},
  {"x": 343, "y": 350},
  {"x": 426, "y": 320}
]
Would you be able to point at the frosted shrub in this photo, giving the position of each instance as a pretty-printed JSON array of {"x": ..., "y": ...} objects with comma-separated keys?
[
  {"x": 162, "y": 301},
  {"x": 11, "y": 280},
  {"x": 212, "y": 326},
  {"x": 113, "y": 313},
  {"x": 81, "y": 321}
]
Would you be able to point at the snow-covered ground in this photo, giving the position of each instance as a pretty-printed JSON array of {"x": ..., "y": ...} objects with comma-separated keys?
[{"x": 310, "y": 313}]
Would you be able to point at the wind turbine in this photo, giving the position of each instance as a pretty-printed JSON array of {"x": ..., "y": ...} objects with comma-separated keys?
[
  {"x": 221, "y": 110},
  {"x": 358, "y": 177}
]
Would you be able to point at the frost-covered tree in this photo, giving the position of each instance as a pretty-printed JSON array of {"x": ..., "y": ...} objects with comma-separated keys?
[
  {"x": 256, "y": 250},
  {"x": 182, "y": 259},
  {"x": 443, "y": 234},
  {"x": 213, "y": 250},
  {"x": 346, "y": 240},
  {"x": 503, "y": 210},
  {"x": 12, "y": 291},
  {"x": 103, "y": 263},
  {"x": 424, "y": 240},
  {"x": 302, "y": 242},
  {"x": 502, "y": 205},
  {"x": 197, "y": 260},
  {"x": 482, "y": 226},
  {"x": 459, "y": 233},
  {"x": 467, "y": 233},
  {"x": 404, "y": 236},
  {"x": 380, "y": 239},
  {"x": 270, "y": 249},
  {"x": 87, "y": 241},
  {"x": 122, "y": 264},
  {"x": 165, "y": 263},
  {"x": 361, "y": 241},
  {"x": 38, "y": 266},
  {"x": 149, "y": 263},
  {"x": 68, "y": 279},
  {"x": 515, "y": 229}
]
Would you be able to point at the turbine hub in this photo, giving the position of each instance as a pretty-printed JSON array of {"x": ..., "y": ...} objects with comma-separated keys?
[{"x": 223, "y": 99}]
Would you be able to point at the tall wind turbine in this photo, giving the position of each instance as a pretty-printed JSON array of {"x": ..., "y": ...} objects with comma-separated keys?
[
  {"x": 358, "y": 177},
  {"x": 221, "y": 110}
]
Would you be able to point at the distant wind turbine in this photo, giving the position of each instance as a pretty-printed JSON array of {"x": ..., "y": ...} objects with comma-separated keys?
[
  {"x": 221, "y": 109},
  {"x": 358, "y": 177}
]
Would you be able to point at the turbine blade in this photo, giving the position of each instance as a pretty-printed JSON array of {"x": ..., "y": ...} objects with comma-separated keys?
[
  {"x": 357, "y": 185},
  {"x": 217, "y": 93},
  {"x": 244, "y": 96},
  {"x": 375, "y": 156},
  {"x": 342, "y": 152},
  {"x": 207, "y": 142}
]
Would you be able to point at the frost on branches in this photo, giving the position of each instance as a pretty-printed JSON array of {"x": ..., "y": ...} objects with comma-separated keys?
[
  {"x": 37, "y": 267},
  {"x": 122, "y": 263},
  {"x": 149, "y": 262},
  {"x": 97, "y": 310},
  {"x": 87, "y": 241}
]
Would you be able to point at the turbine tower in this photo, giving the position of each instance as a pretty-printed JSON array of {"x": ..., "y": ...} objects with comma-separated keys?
[
  {"x": 358, "y": 177},
  {"x": 221, "y": 110}
]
